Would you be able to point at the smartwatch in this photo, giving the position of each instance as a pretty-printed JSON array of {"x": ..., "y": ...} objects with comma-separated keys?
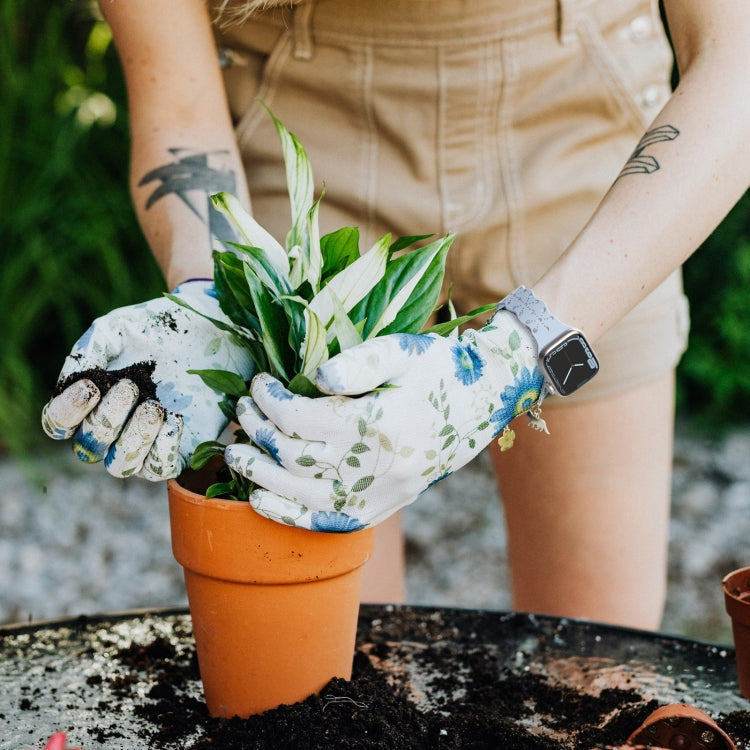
[{"x": 565, "y": 357}]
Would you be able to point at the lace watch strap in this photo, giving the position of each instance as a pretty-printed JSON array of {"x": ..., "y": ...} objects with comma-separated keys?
[{"x": 535, "y": 315}]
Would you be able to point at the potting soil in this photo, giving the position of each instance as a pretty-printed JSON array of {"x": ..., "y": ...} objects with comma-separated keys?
[
  {"x": 423, "y": 678},
  {"x": 139, "y": 373}
]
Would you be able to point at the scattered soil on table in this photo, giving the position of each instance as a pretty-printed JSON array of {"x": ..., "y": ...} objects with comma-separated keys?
[
  {"x": 376, "y": 709},
  {"x": 140, "y": 373}
]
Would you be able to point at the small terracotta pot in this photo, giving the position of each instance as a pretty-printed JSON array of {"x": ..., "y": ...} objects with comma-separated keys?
[
  {"x": 737, "y": 602},
  {"x": 681, "y": 727},
  {"x": 274, "y": 608}
]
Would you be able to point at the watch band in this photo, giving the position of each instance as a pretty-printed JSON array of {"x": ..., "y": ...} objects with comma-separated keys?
[{"x": 535, "y": 315}]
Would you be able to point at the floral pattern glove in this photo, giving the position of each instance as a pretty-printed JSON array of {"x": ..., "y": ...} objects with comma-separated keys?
[
  {"x": 151, "y": 435},
  {"x": 339, "y": 463}
]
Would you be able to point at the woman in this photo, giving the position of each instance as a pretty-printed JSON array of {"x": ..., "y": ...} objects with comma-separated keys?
[{"x": 544, "y": 134}]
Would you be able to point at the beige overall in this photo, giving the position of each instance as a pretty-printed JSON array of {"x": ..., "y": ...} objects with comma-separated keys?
[{"x": 505, "y": 122}]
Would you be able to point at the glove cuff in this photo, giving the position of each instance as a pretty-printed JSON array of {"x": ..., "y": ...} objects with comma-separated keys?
[{"x": 196, "y": 280}]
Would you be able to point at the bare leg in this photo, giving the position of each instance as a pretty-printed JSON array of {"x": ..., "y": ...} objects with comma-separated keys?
[
  {"x": 587, "y": 508},
  {"x": 383, "y": 577}
]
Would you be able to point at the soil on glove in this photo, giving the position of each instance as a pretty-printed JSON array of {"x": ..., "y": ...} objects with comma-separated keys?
[{"x": 140, "y": 373}]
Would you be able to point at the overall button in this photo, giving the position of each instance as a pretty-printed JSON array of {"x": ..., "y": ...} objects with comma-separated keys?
[
  {"x": 652, "y": 95},
  {"x": 640, "y": 28}
]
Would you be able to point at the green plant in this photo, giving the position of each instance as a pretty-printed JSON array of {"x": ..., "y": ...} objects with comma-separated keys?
[{"x": 295, "y": 306}]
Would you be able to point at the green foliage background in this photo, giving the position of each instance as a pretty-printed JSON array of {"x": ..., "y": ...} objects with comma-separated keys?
[{"x": 72, "y": 250}]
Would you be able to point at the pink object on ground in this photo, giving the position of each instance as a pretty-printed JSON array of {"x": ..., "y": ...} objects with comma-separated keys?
[{"x": 58, "y": 741}]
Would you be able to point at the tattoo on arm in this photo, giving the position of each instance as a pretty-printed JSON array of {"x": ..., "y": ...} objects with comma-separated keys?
[
  {"x": 642, "y": 163},
  {"x": 193, "y": 179}
]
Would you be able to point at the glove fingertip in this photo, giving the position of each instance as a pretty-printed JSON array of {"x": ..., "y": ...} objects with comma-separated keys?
[
  {"x": 244, "y": 405},
  {"x": 348, "y": 375},
  {"x": 164, "y": 460},
  {"x": 128, "y": 454},
  {"x": 327, "y": 380},
  {"x": 370, "y": 365},
  {"x": 237, "y": 454},
  {"x": 266, "y": 385},
  {"x": 64, "y": 412}
]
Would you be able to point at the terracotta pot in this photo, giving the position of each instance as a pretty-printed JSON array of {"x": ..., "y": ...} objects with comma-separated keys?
[
  {"x": 681, "y": 727},
  {"x": 737, "y": 602},
  {"x": 274, "y": 608}
]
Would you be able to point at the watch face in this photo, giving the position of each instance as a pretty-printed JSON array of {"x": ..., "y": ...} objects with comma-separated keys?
[{"x": 570, "y": 364}]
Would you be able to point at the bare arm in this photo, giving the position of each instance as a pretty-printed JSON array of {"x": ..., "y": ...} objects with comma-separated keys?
[
  {"x": 689, "y": 169},
  {"x": 183, "y": 145}
]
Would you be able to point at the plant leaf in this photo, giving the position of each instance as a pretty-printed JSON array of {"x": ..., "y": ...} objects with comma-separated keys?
[
  {"x": 315, "y": 269},
  {"x": 222, "y": 381},
  {"x": 227, "y": 489},
  {"x": 232, "y": 292},
  {"x": 204, "y": 452},
  {"x": 403, "y": 242},
  {"x": 314, "y": 349},
  {"x": 405, "y": 297},
  {"x": 339, "y": 249},
  {"x": 443, "y": 329},
  {"x": 354, "y": 282},
  {"x": 254, "y": 257},
  {"x": 411, "y": 308},
  {"x": 250, "y": 231},
  {"x": 342, "y": 327},
  {"x": 306, "y": 259},
  {"x": 256, "y": 265},
  {"x": 228, "y": 406},
  {"x": 274, "y": 325},
  {"x": 303, "y": 386},
  {"x": 299, "y": 180}
]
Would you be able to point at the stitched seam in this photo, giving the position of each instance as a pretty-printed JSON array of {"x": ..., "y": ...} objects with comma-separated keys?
[
  {"x": 509, "y": 168},
  {"x": 483, "y": 137},
  {"x": 468, "y": 216},
  {"x": 520, "y": 29},
  {"x": 440, "y": 149},
  {"x": 370, "y": 149},
  {"x": 266, "y": 90}
]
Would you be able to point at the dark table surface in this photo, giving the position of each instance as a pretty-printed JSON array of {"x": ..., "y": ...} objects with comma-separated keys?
[{"x": 63, "y": 674}]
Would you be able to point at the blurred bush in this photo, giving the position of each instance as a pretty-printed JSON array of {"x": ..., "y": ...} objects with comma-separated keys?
[
  {"x": 71, "y": 246},
  {"x": 72, "y": 250},
  {"x": 714, "y": 374}
]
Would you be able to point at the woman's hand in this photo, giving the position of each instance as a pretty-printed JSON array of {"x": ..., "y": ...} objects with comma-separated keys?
[
  {"x": 155, "y": 438},
  {"x": 340, "y": 463}
]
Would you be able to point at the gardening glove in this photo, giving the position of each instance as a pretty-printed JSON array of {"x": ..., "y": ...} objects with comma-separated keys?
[
  {"x": 338, "y": 463},
  {"x": 146, "y": 425}
]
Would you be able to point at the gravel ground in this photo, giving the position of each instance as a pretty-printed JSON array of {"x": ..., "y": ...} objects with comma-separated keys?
[{"x": 75, "y": 541}]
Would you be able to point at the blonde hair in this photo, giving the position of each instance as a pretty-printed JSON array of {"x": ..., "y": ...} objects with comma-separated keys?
[{"x": 233, "y": 12}]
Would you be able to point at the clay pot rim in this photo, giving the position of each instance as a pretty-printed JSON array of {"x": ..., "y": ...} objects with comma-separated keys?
[
  {"x": 191, "y": 496},
  {"x": 230, "y": 540},
  {"x": 726, "y": 580},
  {"x": 683, "y": 710},
  {"x": 738, "y": 609}
]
